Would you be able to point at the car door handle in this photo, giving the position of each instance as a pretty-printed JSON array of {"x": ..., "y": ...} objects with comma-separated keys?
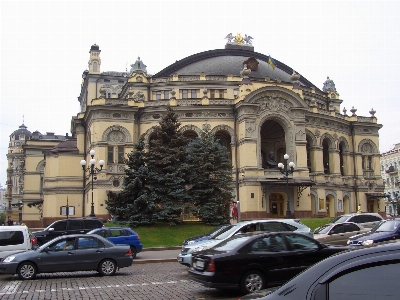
[
  {"x": 82, "y": 231},
  {"x": 99, "y": 251},
  {"x": 69, "y": 252}
]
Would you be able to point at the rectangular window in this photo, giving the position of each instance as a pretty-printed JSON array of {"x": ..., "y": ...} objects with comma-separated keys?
[
  {"x": 217, "y": 94},
  {"x": 120, "y": 155},
  {"x": 189, "y": 94},
  {"x": 110, "y": 154},
  {"x": 166, "y": 95},
  {"x": 71, "y": 210},
  {"x": 158, "y": 95}
]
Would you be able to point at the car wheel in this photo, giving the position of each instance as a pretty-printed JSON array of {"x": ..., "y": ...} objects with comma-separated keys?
[
  {"x": 252, "y": 281},
  {"x": 26, "y": 271},
  {"x": 107, "y": 267},
  {"x": 134, "y": 252}
]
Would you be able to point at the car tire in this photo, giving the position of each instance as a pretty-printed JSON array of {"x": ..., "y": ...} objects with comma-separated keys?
[
  {"x": 134, "y": 251},
  {"x": 107, "y": 267},
  {"x": 26, "y": 271},
  {"x": 252, "y": 281}
]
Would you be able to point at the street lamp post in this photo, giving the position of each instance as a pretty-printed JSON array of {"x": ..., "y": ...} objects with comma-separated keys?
[
  {"x": 283, "y": 168},
  {"x": 92, "y": 171}
]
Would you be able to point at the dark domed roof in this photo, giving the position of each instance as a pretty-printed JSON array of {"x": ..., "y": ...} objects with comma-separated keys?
[
  {"x": 94, "y": 47},
  {"x": 21, "y": 131},
  {"x": 230, "y": 61}
]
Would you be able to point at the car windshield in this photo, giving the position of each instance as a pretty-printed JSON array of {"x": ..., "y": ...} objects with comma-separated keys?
[
  {"x": 339, "y": 219},
  {"x": 231, "y": 243},
  {"x": 387, "y": 226},
  {"x": 216, "y": 231},
  {"x": 226, "y": 232},
  {"x": 323, "y": 229}
]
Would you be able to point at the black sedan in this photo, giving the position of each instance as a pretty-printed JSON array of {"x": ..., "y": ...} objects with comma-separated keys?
[
  {"x": 254, "y": 261},
  {"x": 80, "y": 252},
  {"x": 387, "y": 230},
  {"x": 368, "y": 273}
]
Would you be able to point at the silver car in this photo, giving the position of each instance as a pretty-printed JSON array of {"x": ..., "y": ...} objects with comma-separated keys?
[
  {"x": 338, "y": 233},
  {"x": 273, "y": 225}
]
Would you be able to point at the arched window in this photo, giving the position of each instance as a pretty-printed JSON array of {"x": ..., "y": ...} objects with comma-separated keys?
[
  {"x": 308, "y": 154},
  {"x": 94, "y": 66},
  {"x": 325, "y": 156},
  {"x": 273, "y": 140},
  {"x": 341, "y": 161}
]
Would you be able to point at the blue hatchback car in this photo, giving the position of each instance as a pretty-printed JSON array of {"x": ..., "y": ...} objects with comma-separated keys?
[{"x": 121, "y": 235}]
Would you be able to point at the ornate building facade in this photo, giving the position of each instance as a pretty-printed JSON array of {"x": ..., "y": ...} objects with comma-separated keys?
[
  {"x": 390, "y": 169},
  {"x": 260, "y": 109}
]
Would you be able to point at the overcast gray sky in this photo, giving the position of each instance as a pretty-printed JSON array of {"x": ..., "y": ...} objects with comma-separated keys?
[{"x": 45, "y": 49}]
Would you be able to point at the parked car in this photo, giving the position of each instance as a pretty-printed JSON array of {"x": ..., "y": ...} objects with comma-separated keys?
[
  {"x": 15, "y": 239},
  {"x": 368, "y": 273},
  {"x": 205, "y": 236},
  {"x": 121, "y": 235},
  {"x": 185, "y": 257},
  {"x": 385, "y": 231},
  {"x": 254, "y": 261},
  {"x": 367, "y": 220},
  {"x": 67, "y": 226},
  {"x": 338, "y": 233},
  {"x": 88, "y": 252}
]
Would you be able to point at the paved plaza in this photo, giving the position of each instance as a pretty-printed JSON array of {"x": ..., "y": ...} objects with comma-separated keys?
[{"x": 153, "y": 276}]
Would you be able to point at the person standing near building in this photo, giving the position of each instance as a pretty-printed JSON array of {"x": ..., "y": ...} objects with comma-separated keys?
[{"x": 234, "y": 213}]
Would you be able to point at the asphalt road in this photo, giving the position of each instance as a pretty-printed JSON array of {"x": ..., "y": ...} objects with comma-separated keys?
[{"x": 154, "y": 275}]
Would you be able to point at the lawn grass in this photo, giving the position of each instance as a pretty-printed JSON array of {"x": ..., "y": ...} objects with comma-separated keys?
[{"x": 164, "y": 235}]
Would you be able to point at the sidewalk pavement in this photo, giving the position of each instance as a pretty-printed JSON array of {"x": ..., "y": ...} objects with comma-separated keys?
[{"x": 157, "y": 254}]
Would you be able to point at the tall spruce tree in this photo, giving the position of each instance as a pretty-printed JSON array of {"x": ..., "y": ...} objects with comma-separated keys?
[
  {"x": 210, "y": 178},
  {"x": 133, "y": 203},
  {"x": 167, "y": 169}
]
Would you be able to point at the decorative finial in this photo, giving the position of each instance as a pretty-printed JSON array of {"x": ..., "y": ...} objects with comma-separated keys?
[
  {"x": 353, "y": 111},
  {"x": 372, "y": 112},
  {"x": 294, "y": 76},
  {"x": 344, "y": 111}
]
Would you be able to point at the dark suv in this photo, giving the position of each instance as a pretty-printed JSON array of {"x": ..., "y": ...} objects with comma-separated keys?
[{"x": 67, "y": 226}]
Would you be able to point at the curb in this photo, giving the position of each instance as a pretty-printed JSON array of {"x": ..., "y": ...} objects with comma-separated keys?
[
  {"x": 150, "y": 261},
  {"x": 162, "y": 248}
]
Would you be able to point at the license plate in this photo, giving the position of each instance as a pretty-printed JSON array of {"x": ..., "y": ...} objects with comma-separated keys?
[{"x": 199, "y": 263}]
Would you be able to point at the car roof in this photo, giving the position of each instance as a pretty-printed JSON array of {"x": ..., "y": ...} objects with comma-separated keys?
[
  {"x": 265, "y": 220},
  {"x": 113, "y": 227},
  {"x": 330, "y": 224},
  {"x": 355, "y": 214}
]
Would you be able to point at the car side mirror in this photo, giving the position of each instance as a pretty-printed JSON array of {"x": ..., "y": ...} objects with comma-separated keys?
[
  {"x": 51, "y": 229},
  {"x": 47, "y": 249}
]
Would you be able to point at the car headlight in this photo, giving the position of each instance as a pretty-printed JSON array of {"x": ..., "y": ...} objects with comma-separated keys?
[
  {"x": 367, "y": 242},
  {"x": 348, "y": 242},
  {"x": 190, "y": 242},
  {"x": 199, "y": 248},
  {"x": 9, "y": 259}
]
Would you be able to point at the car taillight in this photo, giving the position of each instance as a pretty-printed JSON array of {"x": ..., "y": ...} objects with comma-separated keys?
[
  {"x": 33, "y": 240},
  {"x": 138, "y": 238},
  {"x": 211, "y": 266},
  {"x": 129, "y": 253}
]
